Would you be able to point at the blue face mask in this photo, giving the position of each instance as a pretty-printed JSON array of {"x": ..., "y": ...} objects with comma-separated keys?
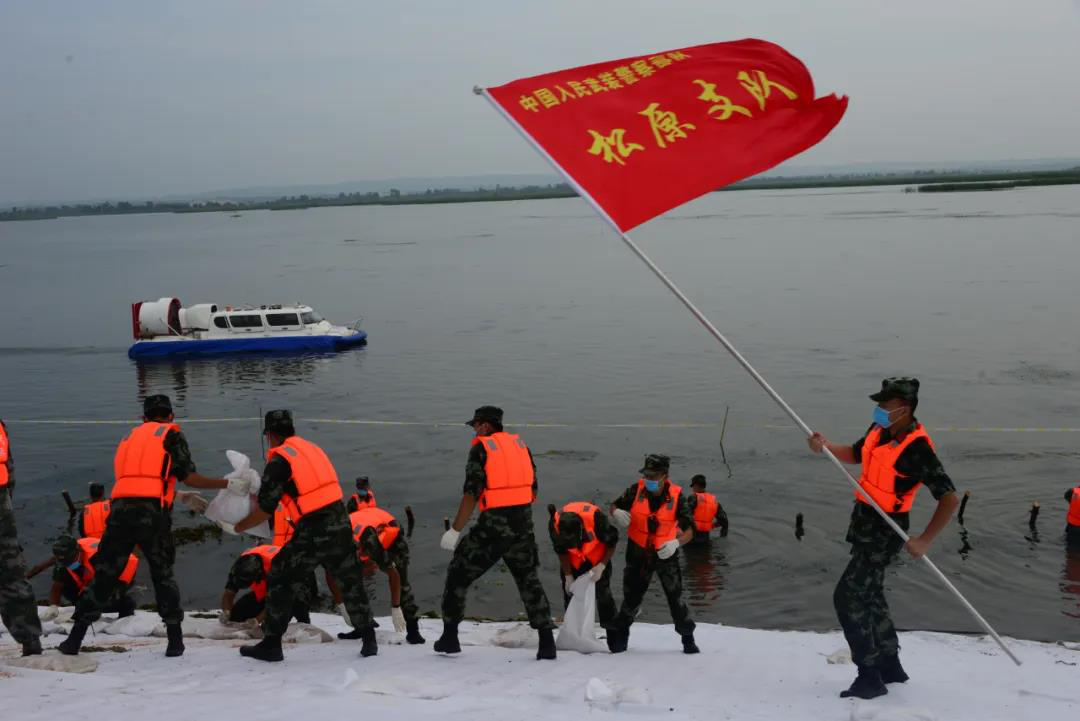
[
  {"x": 651, "y": 486},
  {"x": 362, "y": 493},
  {"x": 881, "y": 417}
]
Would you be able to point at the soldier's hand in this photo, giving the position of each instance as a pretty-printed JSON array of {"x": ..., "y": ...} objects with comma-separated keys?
[
  {"x": 816, "y": 442},
  {"x": 449, "y": 540},
  {"x": 621, "y": 518},
  {"x": 227, "y": 527},
  {"x": 398, "y": 618},
  {"x": 667, "y": 550},
  {"x": 597, "y": 571},
  {"x": 917, "y": 547},
  {"x": 344, "y": 613},
  {"x": 49, "y": 613},
  {"x": 567, "y": 582}
]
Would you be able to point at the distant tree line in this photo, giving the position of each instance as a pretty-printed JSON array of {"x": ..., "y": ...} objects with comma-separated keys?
[{"x": 526, "y": 192}]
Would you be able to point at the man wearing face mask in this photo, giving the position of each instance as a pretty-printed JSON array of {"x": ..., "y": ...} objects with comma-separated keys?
[
  {"x": 363, "y": 498},
  {"x": 897, "y": 457},
  {"x": 658, "y": 521}
]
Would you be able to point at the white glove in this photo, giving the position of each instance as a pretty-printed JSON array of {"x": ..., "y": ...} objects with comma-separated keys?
[
  {"x": 449, "y": 540},
  {"x": 567, "y": 582},
  {"x": 240, "y": 485},
  {"x": 399, "y": 619},
  {"x": 621, "y": 518},
  {"x": 192, "y": 500},
  {"x": 223, "y": 617},
  {"x": 227, "y": 527},
  {"x": 597, "y": 571},
  {"x": 667, "y": 550},
  {"x": 344, "y": 613},
  {"x": 49, "y": 613}
]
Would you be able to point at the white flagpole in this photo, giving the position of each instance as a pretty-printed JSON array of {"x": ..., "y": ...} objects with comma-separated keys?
[{"x": 715, "y": 333}]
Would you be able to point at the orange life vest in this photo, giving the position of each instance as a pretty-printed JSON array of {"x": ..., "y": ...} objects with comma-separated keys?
[
  {"x": 266, "y": 555},
  {"x": 362, "y": 503},
  {"x": 82, "y": 571},
  {"x": 668, "y": 528},
  {"x": 592, "y": 549},
  {"x": 315, "y": 478},
  {"x": 94, "y": 516},
  {"x": 385, "y": 525},
  {"x": 705, "y": 513},
  {"x": 5, "y": 454},
  {"x": 509, "y": 471},
  {"x": 1074, "y": 508},
  {"x": 142, "y": 467},
  {"x": 878, "y": 477},
  {"x": 283, "y": 526}
]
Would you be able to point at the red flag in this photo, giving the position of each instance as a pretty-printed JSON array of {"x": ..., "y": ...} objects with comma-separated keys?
[{"x": 645, "y": 134}]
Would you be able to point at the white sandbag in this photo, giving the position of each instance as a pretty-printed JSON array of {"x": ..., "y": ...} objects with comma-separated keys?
[
  {"x": 519, "y": 635},
  {"x": 212, "y": 629},
  {"x": 305, "y": 633},
  {"x": 233, "y": 507},
  {"x": 578, "y": 632},
  {"x": 136, "y": 626}
]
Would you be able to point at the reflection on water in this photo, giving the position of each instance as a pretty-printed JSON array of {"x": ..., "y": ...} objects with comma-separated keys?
[
  {"x": 705, "y": 570},
  {"x": 1070, "y": 584}
]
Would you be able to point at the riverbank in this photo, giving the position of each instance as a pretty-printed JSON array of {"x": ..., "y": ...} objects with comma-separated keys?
[{"x": 740, "y": 674}]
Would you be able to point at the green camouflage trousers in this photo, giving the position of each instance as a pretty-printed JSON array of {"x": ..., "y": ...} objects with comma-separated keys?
[
  {"x": 17, "y": 608},
  {"x": 400, "y": 560},
  {"x": 860, "y": 604},
  {"x": 492, "y": 537},
  {"x": 134, "y": 522},
  {"x": 638, "y": 573},
  {"x": 323, "y": 538}
]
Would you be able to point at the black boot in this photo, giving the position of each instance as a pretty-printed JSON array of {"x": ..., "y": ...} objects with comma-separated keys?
[
  {"x": 412, "y": 632},
  {"x": 351, "y": 635},
  {"x": 448, "y": 642},
  {"x": 371, "y": 646},
  {"x": 688, "y": 645},
  {"x": 176, "y": 640},
  {"x": 269, "y": 649},
  {"x": 867, "y": 685},
  {"x": 126, "y": 607},
  {"x": 891, "y": 671},
  {"x": 546, "y": 651},
  {"x": 32, "y": 647},
  {"x": 618, "y": 639},
  {"x": 71, "y": 645}
]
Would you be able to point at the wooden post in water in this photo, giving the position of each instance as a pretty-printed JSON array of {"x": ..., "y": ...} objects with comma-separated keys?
[
  {"x": 410, "y": 520},
  {"x": 1034, "y": 517},
  {"x": 963, "y": 505},
  {"x": 446, "y": 523},
  {"x": 799, "y": 530}
]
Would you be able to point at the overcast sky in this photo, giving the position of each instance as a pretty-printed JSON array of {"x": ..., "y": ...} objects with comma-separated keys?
[{"x": 112, "y": 98}]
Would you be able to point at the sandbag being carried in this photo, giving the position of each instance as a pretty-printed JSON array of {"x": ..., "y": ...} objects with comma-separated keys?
[
  {"x": 578, "y": 632},
  {"x": 232, "y": 507}
]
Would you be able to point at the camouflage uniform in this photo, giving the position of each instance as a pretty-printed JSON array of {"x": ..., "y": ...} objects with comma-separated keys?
[
  {"x": 17, "y": 607},
  {"x": 397, "y": 556},
  {"x": 568, "y": 536},
  {"x": 323, "y": 537},
  {"x": 505, "y": 533},
  {"x": 248, "y": 569},
  {"x": 642, "y": 563},
  {"x": 141, "y": 522},
  {"x": 859, "y": 597}
]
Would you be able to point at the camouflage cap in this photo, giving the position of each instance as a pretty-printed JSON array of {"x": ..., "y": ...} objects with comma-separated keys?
[
  {"x": 486, "y": 414},
  {"x": 897, "y": 387},
  {"x": 65, "y": 548},
  {"x": 656, "y": 463},
  {"x": 278, "y": 421},
  {"x": 362, "y": 483},
  {"x": 155, "y": 404},
  {"x": 570, "y": 529},
  {"x": 97, "y": 489}
]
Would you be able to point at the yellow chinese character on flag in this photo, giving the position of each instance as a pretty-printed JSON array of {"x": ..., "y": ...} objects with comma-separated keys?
[
  {"x": 578, "y": 88},
  {"x": 723, "y": 105},
  {"x": 758, "y": 85},
  {"x": 665, "y": 125},
  {"x": 530, "y": 103},
  {"x": 612, "y": 147},
  {"x": 596, "y": 86},
  {"x": 660, "y": 61},
  {"x": 609, "y": 80},
  {"x": 678, "y": 55},
  {"x": 642, "y": 68},
  {"x": 564, "y": 94},
  {"x": 546, "y": 97},
  {"x": 626, "y": 75}
]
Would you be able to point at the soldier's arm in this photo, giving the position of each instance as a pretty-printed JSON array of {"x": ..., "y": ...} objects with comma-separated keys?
[
  {"x": 920, "y": 462},
  {"x": 475, "y": 479},
  {"x": 685, "y": 518},
  {"x": 721, "y": 520},
  {"x": 276, "y": 474},
  {"x": 183, "y": 467},
  {"x": 1068, "y": 495},
  {"x": 626, "y": 500},
  {"x": 395, "y": 585},
  {"x": 608, "y": 535},
  {"x": 54, "y": 593},
  {"x": 40, "y": 567}
]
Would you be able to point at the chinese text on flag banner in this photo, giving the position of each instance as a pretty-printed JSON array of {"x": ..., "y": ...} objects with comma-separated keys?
[{"x": 645, "y": 134}]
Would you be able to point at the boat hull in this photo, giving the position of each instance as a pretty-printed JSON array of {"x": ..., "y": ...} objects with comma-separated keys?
[{"x": 196, "y": 348}]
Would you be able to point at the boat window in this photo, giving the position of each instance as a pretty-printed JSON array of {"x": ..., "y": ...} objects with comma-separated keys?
[
  {"x": 245, "y": 321},
  {"x": 220, "y": 322},
  {"x": 310, "y": 317},
  {"x": 282, "y": 319}
]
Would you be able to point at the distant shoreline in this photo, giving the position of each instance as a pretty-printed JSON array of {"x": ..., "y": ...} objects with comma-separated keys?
[{"x": 926, "y": 181}]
